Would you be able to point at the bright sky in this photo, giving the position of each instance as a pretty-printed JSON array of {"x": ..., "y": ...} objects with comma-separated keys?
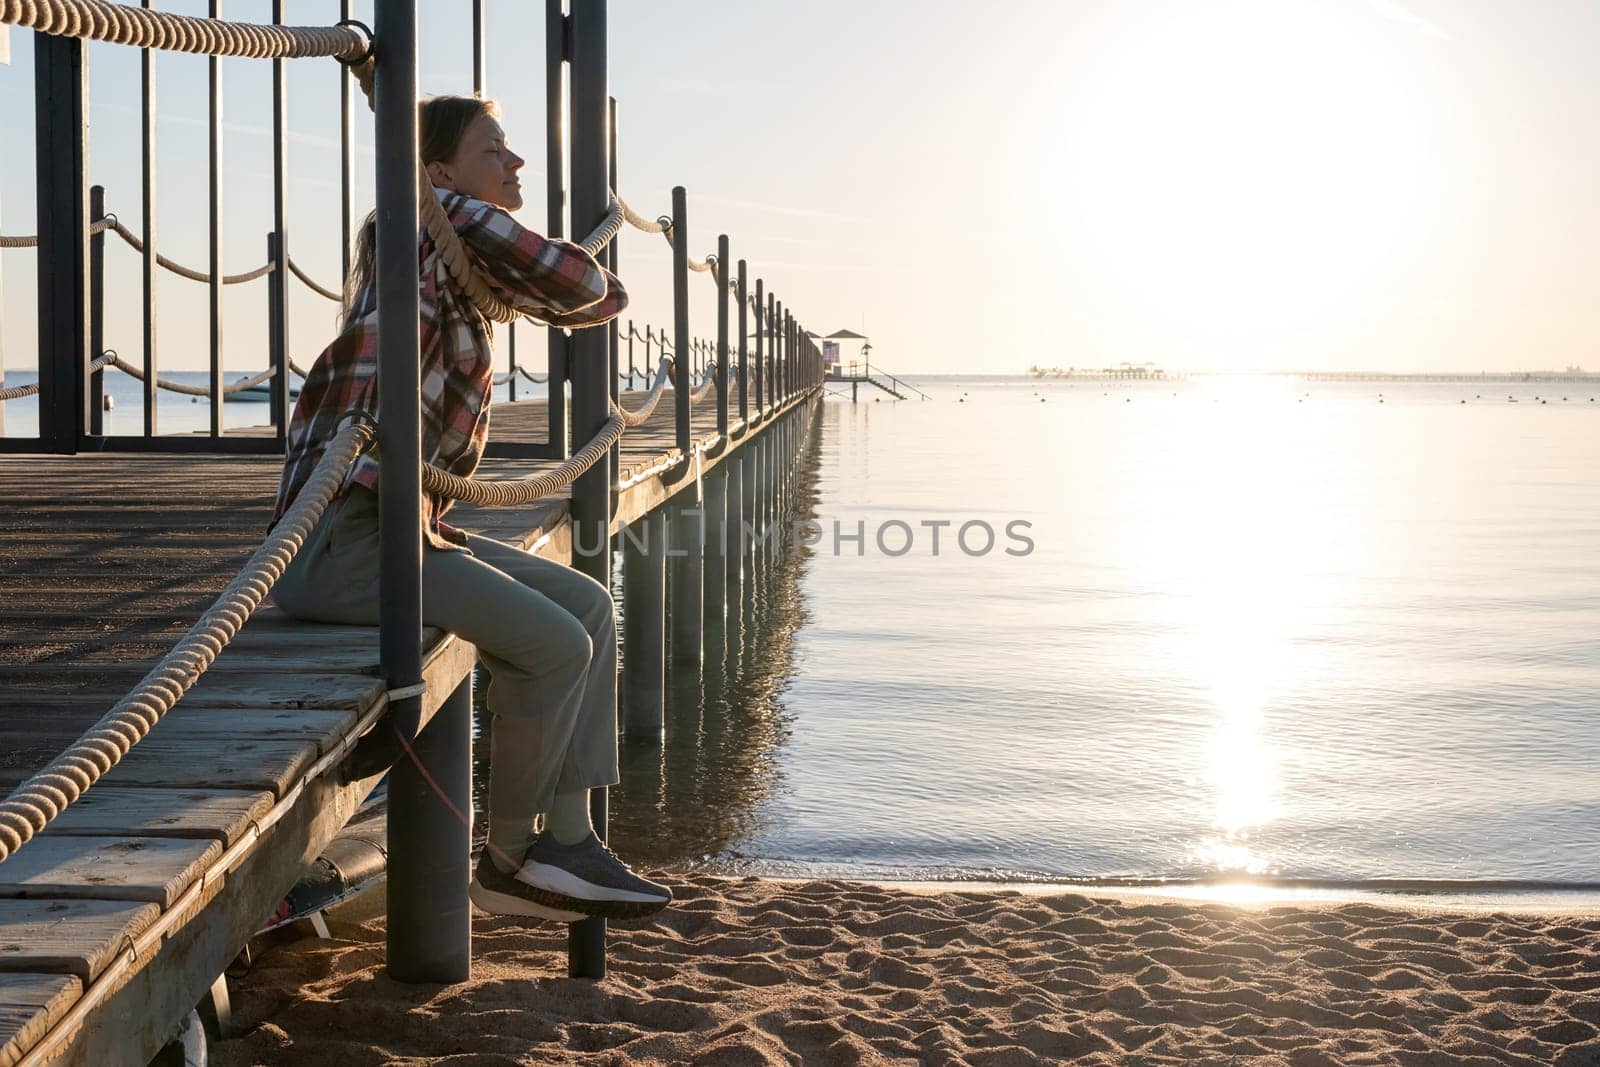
[{"x": 1403, "y": 185}]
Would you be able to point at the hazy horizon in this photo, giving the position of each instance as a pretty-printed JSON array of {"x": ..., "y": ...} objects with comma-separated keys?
[{"x": 1338, "y": 185}]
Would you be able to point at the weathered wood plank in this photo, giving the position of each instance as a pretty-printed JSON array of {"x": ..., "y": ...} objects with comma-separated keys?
[
  {"x": 30, "y": 1004},
  {"x": 110, "y": 810},
  {"x": 155, "y": 869},
  {"x": 78, "y": 937},
  {"x": 215, "y": 763}
]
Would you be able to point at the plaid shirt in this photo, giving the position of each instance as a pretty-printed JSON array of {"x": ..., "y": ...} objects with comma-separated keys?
[{"x": 554, "y": 281}]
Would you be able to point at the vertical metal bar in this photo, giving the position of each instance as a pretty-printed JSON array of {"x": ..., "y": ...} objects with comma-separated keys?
[
  {"x": 479, "y": 57},
  {"x": 591, "y": 493},
  {"x": 744, "y": 325},
  {"x": 681, "y": 366},
  {"x": 147, "y": 199},
  {"x": 555, "y": 159},
  {"x": 722, "y": 336},
  {"x": 630, "y": 353},
  {"x": 760, "y": 346},
  {"x": 97, "y": 310},
  {"x": 214, "y": 181},
  {"x": 511, "y": 360},
  {"x": 278, "y": 387},
  {"x": 772, "y": 351},
  {"x": 613, "y": 345},
  {"x": 347, "y": 158},
  {"x": 61, "y": 162},
  {"x": 276, "y": 341},
  {"x": 428, "y": 929}
]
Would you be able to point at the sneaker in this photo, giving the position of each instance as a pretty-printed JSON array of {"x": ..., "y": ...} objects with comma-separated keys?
[
  {"x": 589, "y": 878},
  {"x": 499, "y": 893}
]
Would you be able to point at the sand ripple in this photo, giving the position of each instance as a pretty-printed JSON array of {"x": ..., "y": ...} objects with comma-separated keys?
[{"x": 752, "y": 972}]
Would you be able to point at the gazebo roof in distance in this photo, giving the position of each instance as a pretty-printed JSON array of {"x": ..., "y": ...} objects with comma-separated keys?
[{"x": 846, "y": 335}]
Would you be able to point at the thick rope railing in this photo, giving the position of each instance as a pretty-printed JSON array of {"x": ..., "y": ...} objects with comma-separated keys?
[
  {"x": 192, "y": 390},
  {"x": 534, "y": 378},
  {"x": 45, "y": 795},
  {"x": 99, "y": 20},
  {"x": 516, "y": 491},
  {"x": 640, "y": 415},
  {"x": 20, "y": 391},
  {"x": 115, "y": 225},
  {"x": 320, "y": 290}
]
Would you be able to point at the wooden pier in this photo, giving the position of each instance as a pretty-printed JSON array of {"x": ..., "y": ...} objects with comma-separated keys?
[{"x": 120, "y": 916}]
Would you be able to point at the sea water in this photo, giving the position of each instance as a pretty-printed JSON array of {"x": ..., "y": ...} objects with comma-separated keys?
[{"x": 1261, "y": 627}]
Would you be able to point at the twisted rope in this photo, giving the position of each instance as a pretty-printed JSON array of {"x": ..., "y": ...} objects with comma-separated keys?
[
  {"x": 190, "y": 390},
  {"x": 294, "y": 268},
  {"x": 30, "y": 390},
  {"x": 641, "y": 415},
  {"x": 47, "y": 794},
  {"x": 516, "y": 491},
  {"x": 99, "y": 20},
  {"x": 534, "y": 378},
  {"x": 114, "y": 224}
]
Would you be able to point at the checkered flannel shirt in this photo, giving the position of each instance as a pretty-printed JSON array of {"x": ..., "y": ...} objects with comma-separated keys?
[{"x": 551, "y": 280}]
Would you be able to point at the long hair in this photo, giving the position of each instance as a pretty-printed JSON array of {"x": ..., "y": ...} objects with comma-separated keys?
[{"x": 441, "y": 123}]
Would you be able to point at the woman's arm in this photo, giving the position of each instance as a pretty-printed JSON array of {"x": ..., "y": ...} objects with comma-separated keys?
[{"x": 553, "y": 280}]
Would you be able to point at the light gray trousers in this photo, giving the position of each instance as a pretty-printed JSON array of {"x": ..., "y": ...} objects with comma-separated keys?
[{"x": 545, "y": 632}]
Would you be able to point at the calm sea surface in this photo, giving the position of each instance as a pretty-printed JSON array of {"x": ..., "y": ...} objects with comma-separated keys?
[
  {"x": 1266, "y": 626},
  {"x": 1297, "y": 630}
]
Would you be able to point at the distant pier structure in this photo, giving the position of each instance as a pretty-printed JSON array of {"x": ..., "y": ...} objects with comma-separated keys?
[
  {"x": 1134, "y": 371},
  {"x": 860, "y": 370}
]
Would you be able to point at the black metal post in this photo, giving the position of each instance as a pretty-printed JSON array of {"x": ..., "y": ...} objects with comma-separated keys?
[
  {"x": 722, "y": 338},
  {"x": 591, "y": 369},
  {"x": 760, "y": 347},
  {"x": 683, "y": 357},
  {"x": 97, "y": 310},
  {"x": 610, "y": 259},
  {"x": 61, "y": 163},
  {"x": 347, "y": 160},
  {"x": 744, "y": 348},
  {"x": 277, "y": 319},
  {"x": 478, "y": 55},
  {"x": 772, "y": 351},
  {"x": 147, "y": 199},
  {"x": 214, "y": 180},
  {"x": 278, "y": 387},
  {"x": 429, "y": 930},
  {"x": 511, "y": 360},
  {"x": 555, "y": 160}
]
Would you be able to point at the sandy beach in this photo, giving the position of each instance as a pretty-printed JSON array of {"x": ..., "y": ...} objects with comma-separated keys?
[{"x": 746, "y": 971}]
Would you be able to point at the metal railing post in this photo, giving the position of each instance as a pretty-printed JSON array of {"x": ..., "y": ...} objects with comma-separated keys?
[
  {"x": 760, "y": 347},
  {"x": 60, "y": 137},
  {"x": 555, "y": 159},
  {"x": 592, "y": 376},
  {"x": 277, "y": 327},
  {"x": 744, "y": 324},
  {"x": 429, "y": 925},
  {"x": 682, "y": 357},
  {"x": 278, "y": 384},
  {"x": 97, "y": 310},
  {"x": 612, "y": 261},
  {"x": 722, "y": 337},
  {"x": 214, "y": 181},
  {"x": 772, "y": 350},
  {"x": 147, "y": 199}
]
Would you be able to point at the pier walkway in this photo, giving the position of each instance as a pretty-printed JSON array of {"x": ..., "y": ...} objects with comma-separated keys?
[{"x": 120, "y": 916}]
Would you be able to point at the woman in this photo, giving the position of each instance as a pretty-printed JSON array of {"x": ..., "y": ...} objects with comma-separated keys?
[{"x": 545, "y": 632}]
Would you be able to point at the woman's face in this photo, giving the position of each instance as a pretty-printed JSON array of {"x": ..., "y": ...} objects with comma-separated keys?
[{"x": 483, "y": 167}]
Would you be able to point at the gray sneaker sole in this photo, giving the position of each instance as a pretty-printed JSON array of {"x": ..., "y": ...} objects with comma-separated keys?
[
  {"x": 632, "y": 906},
  {"x": 497, "y": 903}
]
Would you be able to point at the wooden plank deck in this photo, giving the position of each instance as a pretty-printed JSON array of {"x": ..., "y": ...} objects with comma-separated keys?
[{"x": 147, "y": 887}]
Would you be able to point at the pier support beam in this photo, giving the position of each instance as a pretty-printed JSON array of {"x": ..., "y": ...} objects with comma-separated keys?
[
  {"x": 430, "y": 920},
  {"x": 644, "y": 589},
  {"x": 685, "y": 585},
  {"x": 715, "y": 570}
]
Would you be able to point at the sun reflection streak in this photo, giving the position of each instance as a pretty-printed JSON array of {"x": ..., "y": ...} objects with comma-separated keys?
[{"x": 1247, "y": 583}]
